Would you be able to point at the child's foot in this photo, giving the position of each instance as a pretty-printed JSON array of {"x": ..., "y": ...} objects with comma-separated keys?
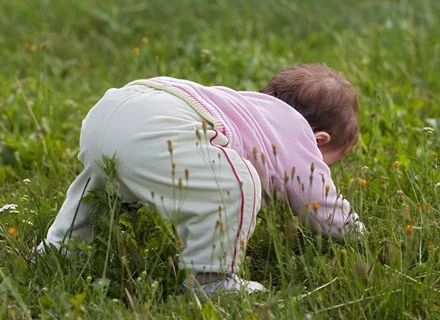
[{"x": 224, "y": 284}]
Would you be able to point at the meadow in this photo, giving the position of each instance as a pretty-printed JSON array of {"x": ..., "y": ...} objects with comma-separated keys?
[{"x": 57, "y": 59}]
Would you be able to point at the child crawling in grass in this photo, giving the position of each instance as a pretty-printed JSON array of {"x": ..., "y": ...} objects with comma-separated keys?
[{"x": 206, "y": 156}]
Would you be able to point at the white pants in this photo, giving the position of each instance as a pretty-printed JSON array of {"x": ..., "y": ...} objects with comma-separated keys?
[{"x": 213, "y": 208}]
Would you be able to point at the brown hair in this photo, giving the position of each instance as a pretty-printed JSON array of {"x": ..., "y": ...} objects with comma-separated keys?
[{"x": 324, "y": 97}]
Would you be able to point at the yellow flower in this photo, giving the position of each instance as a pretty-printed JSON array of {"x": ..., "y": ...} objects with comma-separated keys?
[
  {"x": 396, "y": 165},
  {"x": 136, "y": 51},
  {"x": 145, "y": 40},
  {"x": 363, "y": 183},
  {"x": 31, "y": 47},
  {"x": 315, "y": 206},
  {"x": 12, "y": 232}
]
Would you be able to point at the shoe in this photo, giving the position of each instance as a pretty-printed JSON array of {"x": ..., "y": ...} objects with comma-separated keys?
[{"x": 230, "y": 284}]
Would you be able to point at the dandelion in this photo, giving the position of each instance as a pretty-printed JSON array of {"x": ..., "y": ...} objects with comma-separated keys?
[
  {"x": 136, "y": 51},
  {"x": 31, "y": 47},
  {"x": 363, "y": 183},
  {"x": 12, "y": 232},
  {"x": 343, "y": 251},
  {"x": 409, "y": 230},
  {"x": 396, "y": 165},
  {"x": 315, "y": 206}
]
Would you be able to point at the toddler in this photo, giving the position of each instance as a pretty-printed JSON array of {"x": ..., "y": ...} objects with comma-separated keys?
[{"x": 205, "y": 157}]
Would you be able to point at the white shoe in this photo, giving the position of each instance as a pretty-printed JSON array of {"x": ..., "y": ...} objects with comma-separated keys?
[{"x": 230, "y": 284}]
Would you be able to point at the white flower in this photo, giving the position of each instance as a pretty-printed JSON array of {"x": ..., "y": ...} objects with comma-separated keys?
[{"x": 9, "y": 206}]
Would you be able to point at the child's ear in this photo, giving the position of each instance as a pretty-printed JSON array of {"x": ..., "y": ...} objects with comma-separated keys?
[{"x": 322, "y": 138}]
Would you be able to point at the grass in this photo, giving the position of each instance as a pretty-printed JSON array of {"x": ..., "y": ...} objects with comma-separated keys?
[{"x": 59, "y": 57}]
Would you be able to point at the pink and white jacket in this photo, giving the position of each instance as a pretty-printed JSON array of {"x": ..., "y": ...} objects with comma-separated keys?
[{"x": 279, "y": 142}]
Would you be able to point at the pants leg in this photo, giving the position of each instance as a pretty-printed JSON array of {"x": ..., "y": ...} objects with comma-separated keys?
[
  {"x": 208, "y": 191},
  {"x": 73, "y": 219}
]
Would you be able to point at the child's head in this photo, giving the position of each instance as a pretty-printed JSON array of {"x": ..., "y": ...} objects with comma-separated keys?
[{"x": 325, "y": 98}]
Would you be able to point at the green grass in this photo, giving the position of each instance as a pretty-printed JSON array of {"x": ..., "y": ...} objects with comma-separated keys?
[{"x": 57, "y": 59}]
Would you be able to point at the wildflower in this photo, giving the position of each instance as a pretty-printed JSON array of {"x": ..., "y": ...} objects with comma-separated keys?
[
  {"x": 399, "y": 193},
  {"x": 363, "y": 183},
  {"x": 145, "y": 40},
  {"x": 26, "y": 181},
  {"x": 31, "y": 47},
  {"x": 406, "y": 211},
  {"x": 396, "y": 165},
  {"x": 409, "y": 229},
  {"x": 173, "y": 168},
  {"x": 292, "y": 173},
  {"x": 274, "y": 150},
  {"x": 315, "y": 206},
  {"x": 220, "y": 225},
  {"x": 136, "y": 51},
  {"x": 327, "y": 189},
  {"x": 343, "y": 251},
  {"x": 12, "y": 207},
  {"x": 170, "y": 146},
  {"x": 254, "y": 153},
  {"x": 383, "y": 179},
  {"x": 12, "y": 232},
  {"x": 28, "y": 222},
  {"x": 428, "y": 130},
  {"x": 180, "y": 243},
  {"x": 263, "y": 158}
]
